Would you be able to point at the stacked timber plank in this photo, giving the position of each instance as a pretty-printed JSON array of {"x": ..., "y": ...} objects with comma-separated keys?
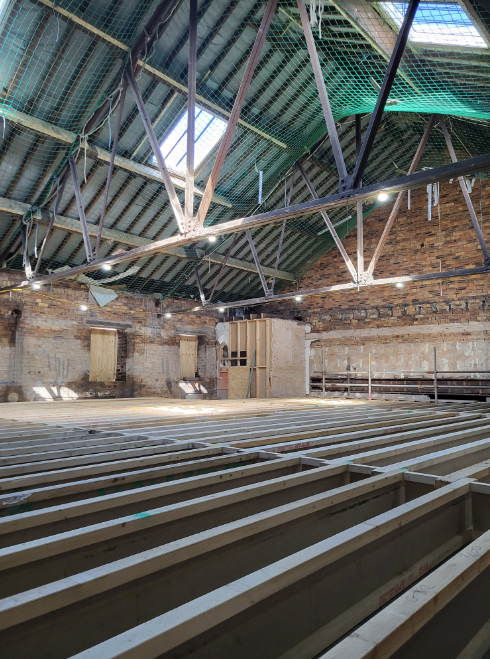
[{"x": 276, "y": 529}]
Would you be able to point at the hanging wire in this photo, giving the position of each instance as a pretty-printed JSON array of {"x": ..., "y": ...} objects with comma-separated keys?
[
  {"x": 56, "y": 178},
  {"x": 35, "y": 237},
  {"x": 109, "y": 122}
]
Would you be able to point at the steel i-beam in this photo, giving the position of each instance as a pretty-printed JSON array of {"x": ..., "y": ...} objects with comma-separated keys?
[
  {"x": 225, "y": 260},
  {"x": 419, "y": 179},
  {"x": 199, "y": 286},
  {"x": 360, "y": 223},
  {"x": 191, "y": 122},
  {"x": 384, "y": 93},
  {"x": 235, "y": 113},
  {"x": 283, "y": 230},
  {"x": 81, "y": 210},
  {"x": 396, "y": 208},
  {"x": 267, "y": 292},
  {"x": 59, "y": 194},
  {"x": 105, "y": 198},
  {"x": 169, "y": 186},
  {"x": 322, "y": 92},
  {"x": 349, "y": 286}
]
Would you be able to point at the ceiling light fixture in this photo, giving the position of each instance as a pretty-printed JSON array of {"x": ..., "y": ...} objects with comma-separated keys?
[
  {"x": 107, "y": 266},
  {"x": 168, "y": 315},
  {"x": 36, "y": 286},
  {"x": 399, "y": 284},
  {"x": 298, "y": 298},
  {"x": 383, "y": 196},
  {"x": 212, "y": 239},
  {"x": 221, "y": 309}
]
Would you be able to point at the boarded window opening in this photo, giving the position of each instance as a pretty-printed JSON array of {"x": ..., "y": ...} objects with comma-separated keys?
[
  {"x": 188, "y": 357},
  {"x": 103, "y": 355}
]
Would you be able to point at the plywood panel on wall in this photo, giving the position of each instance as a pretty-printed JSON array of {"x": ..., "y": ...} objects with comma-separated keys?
[
  {"x": 103, "y": 355},
  {"x": 238, "y": 377},
  {"x": 288, "y": 375},
  {"x": 188, "y": 356}
]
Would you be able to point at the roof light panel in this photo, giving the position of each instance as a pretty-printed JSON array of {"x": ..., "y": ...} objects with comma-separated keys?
[
  {"x": 209, "y": 129},
  {"x": 442, "y": 24}
]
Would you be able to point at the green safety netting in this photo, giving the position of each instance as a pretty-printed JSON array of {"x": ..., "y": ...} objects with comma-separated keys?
[{"x": 59, "y": 62}]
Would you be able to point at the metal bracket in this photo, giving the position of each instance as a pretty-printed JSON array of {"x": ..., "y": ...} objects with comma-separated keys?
[{"x": 345, "y": 185}]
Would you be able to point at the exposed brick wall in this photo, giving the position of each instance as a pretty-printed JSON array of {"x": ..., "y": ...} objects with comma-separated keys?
[
  {"x": 400, "y": 328},
  {"x": 415, "y": 246},
  {"x": 46, "y": 353}
]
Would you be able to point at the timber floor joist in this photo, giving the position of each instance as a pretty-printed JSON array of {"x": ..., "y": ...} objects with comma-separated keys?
[{"x": 276, "y": 529}]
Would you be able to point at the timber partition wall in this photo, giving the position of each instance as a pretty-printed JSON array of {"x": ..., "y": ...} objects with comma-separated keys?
[
  {"x": 265, "y": 528},
  {"x": 250, "y": 359}
]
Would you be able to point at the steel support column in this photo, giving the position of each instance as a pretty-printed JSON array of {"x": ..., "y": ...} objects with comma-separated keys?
[
  {"x": 257, "y": 263},
  {"x": 396, "y": 208},
  {"x": 81, "y": 210},
  {"x": 278, "y": 256},
  {"x": 360, "y": 226},
  {"x": 235, "y": 113},
  {"x": 169, "y": 186},
  {"x": 227, "y": 256},
  {"x": 105, "y": 198},
  {"x": 466, "y": 195},
  {"x": 199, "y": 286},
  {"x": 328, "y": 222},
  {"x": 191, "y": 104},
  {"x": 384, "y": 93},
  {"x": 322, "y": 92},
  {"x": 283, "y": 229}
]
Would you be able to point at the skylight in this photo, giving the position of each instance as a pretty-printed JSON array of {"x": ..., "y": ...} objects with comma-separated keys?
[
  {"x": 208, "y": 132},
  {"x": 3, "y": 7},
  {"x": 438, "y": 23}
]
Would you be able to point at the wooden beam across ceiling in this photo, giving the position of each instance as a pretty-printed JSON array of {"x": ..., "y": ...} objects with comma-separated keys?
[
  {"x": 160, "y": 75},
  {"x": 69, "y": 224},
  {"x": 58, "y": 134}
]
